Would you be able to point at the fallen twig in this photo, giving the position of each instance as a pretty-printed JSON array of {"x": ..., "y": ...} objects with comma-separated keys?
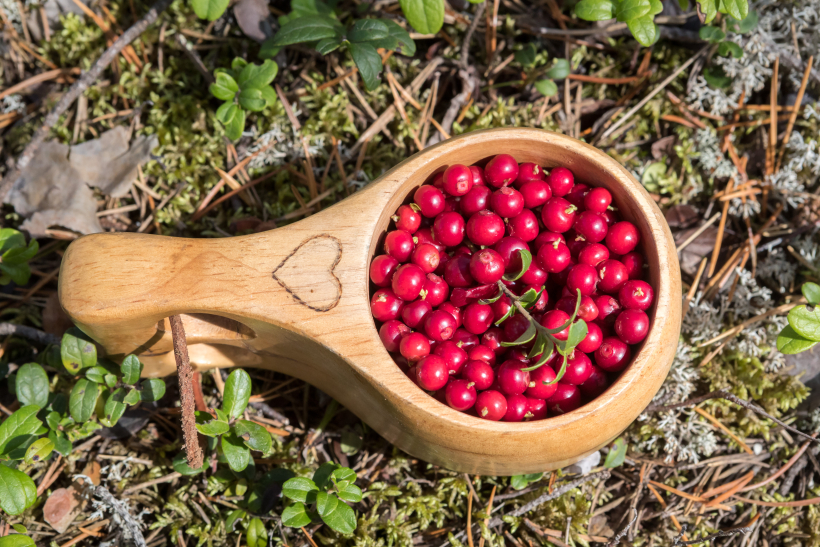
[
  {"x": 186, "y": 393},
  {"x": 31, "y": 333}
]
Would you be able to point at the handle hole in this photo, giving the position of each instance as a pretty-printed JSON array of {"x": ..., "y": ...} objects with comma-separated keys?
[{"x": 204, "y": 327}]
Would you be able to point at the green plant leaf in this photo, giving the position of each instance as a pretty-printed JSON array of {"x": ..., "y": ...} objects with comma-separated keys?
[
  {"x": 295, "y": 515},
  {"x": 709, "y": 10},
  {"x": 336, "y": 514},
  {"x": 577, "y": 333},
  {"x": 233, "y": 517},
  {"x": 31, "y": 385},
  {"x": 132, "y": 397},
  {"x": 77, "y": 351},
  {"x": 256, "y": 535},
  {"x": 349, "y": 492},
  {"x": 226, "y": 112},
  {"x": 528, "y": 335},
  {"x": 365, "y": 30},
  {"x": 730, "y": 48},
  {"x": 368, "y": 62},
  {"x": 131, "y": 369},
  {"x": 810, "y": 290},
  {"x": 17, "y": 540},
  {"x": 96, "y": 374},
  {"x": 237, "y": 454},
  {"x": 257, "y": 76},
  {"x": 716, "y": 77},
  {"x": 180, "y": 465},
  {"x": 310, "y": 28},
  {"x": 328, "y": 45},
  {"x": 617, "y": 454},
  {"x": 11, "y": 239},
  {"x": 19, "y": 273},
  {"x": 530, "y": 297},
  {"x": 17, "y": 490},
  {"x": 426, "y": 16},
  {"x": 235, "y": 127},
  {"x": 209, "y": 9},
  {"x": 526, "y": 55},
  {"x": 406, "y": 44},
  {"x": 209, "y": 427},
  {"x": 595, "y": 10},
  {"x": 21, "y": 255},
  {"x": 546, "y": 87},
  {"x": 237, "y": 393},
  {"x": 628, "y": 10},
  {"x": 298, "y": 488},
  {"x": 655, "y": 7},
  {"x": 82, "y": 400},
  {"x": 747, "y": 24},
  {"x": 152, "y": 389},
  {"x": 806, "y": 322},
  {"x": 789, "y": 342},
  {"x": 739, "y": 9},
  {"x": 39, "y": 450},
  {"x": 644, "y": 29},
  {"x": 61, "y": 444},
  {"x": 526, "y": 260},
  {"x": 254, "y": 435},
  {"x": 114, "y": 408},
  {"x": 251, "y": 99},
  {"x": 519, "y": 482},
  {"x": 269, "y": 95},
  {"x": 323, "y": 474},
  {"x": 711, "y": 34},
  {"x": 224, "y": 88},
  {"x": 268, "y": 50},
  {"x": 559, "y": 70}
]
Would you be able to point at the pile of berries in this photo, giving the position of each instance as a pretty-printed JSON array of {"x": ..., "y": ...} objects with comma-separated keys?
[{"x": 473, "y": 229}]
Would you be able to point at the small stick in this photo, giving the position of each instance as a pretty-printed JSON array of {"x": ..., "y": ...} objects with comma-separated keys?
[
  {"x": 779, "y": 472},
  {"x": 693, "y": 289},
  {"x": 772, "y": 120},
  {"x": 721, "y": 229},
  {"x": 489, "y": 512},
  {"x": 470, "y": 520},
  {"x": 793, "y": 116},
  {"x": 717, "y": 423},
  {"x": 186, "y": 393}
]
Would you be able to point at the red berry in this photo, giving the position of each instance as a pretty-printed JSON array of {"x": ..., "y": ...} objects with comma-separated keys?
[
  {"x": 507, "y": 202},
  {"x": 486, "y": 266},
  {"x": 524, "y": 225},
  {"x": 457, "y": 271},
  {"x": 612, "y": 276},
  {"x": 501, "y": 307},
  {"x": 477, "y": 199},
  {"x": 632, "y": 326},
  {"x": 634, "y": 265},
  {"x": 579, "y": 369},
  {"x": 467, "y": 340},
  {"x": 460, "y": 395},
  {"x": 598, "y": 199},
  {"x": 414, "y": 313},
  {"x": 535, "y": 193},
  {"x": 528, "y": 172},
  {"x": 559, "y": 279},
  {"x": 479, "y": 373},
  {"x": 454, "y": 311},
  {"x": 592, "y": 341},
  {"x": 566, "y": 399},
  {"x": 408, "y": 281},
  {"x": 537, "y": 387},
  {"x": 440, "y": 325},
  {"x": 517, "y": 354},
  {"x": 514, "y": 327},
  {"x": 511, "y": 379},
  {"x": 516, "y": 408},
  {"x": 454, "y": 356},
  {"x": 591, "y": 225},
  {"x": 478, "y": 318},
  {"x": 577, "y": 194},
  {"x": 613, "y": 355},
  {"x": 399, "y": 244},
  {"x": 546, "y": 237},
  {"x": 536, "y": 409},
  {"x": 501, "y": 170},
  {"x": 435, "y": 290},
  {"x": 438, "y": 180},
  {"x": 587, "y": 311},
  {"x": 582, "y": 277},
  {"x": 391, "y": 334},
  {"x": 576, "y": 243},
  {"x": 595, "y": 384},
  {"x": 492, "y": 339},
  {"x": 481, "y": 353},
  {"x": 608, "y": 309},
  {"x": 534, "y": 275},
  {"x": 426, "y": 257},
  {"x": 478, "y": 175},
  {"x": 543, "y": 298},
  {"x": 554, "y": 257},
  {"x": 508, "y": 248},
  {"x": 554, "y": 319},
  {"x": 593, "y": 254},
  {"x": 385, "y": 305},
  {"x": 425, "y": 236},
  {"x": 407, "y": 219},
  {"x": 382, "y": 269},
  {"x": 463, "y": 250},
  {"x": 485, "y": 228},
  {"x": 561, "y": 181},
  {"x": 457, "y": 180},
  {"x": 430, "y": 200},
  {"x": 414, "y": 346},
  {"x": 558, "y": 215},
  {"x": 448, "y": 229},
  {"x": 636, "y": 295},
  {"x": 611, "y": 217},
  {"x": 622, "y": 238},
  {"x": 451, "y": 205},
  {"x": 431, "y": 373},
  {"x": 491, "y": 405}
]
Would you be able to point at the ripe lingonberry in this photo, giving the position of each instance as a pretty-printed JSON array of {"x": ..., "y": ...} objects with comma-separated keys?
[
  {"x": 632, "y": 326},
  {"x": 501, "y": 170},
  {"x": 508, "y": 248},
  {"x": 566, "y": 399},
  {"x": 481, "y": 353},
  {"x": 431, "y": 373},
  {"x": 554, "y": 319},
  {"x": 426, "y": 257},
  {"x": 414, "y": 313},
  {"x": 435, "y": 290},
  {"x": 516, "y": 408},
  {"x": 540, "y": 386},
  {"x": 454, "y": 311},
  {"x": 478, "y": 318},
  {"x": 451, "y": 205},
  {"x": 457, "y": 180},
  {"x": 591, "y": 225},
  {"x": 438, "y": 180},
  {"x": 414, "y": 346},
  {"x": 524, "y": 225},
  {"x": 558, "y": 214},
  {"x": 492, "y": 339},
  {"x": 514, "y": 327},
  {"x": 608, "y": 309},
  {"x": 501, "y": 307},
  {"x": 582, "y": 277},
  {"x": 577, "y": 194},
  {"x": 491, "y": 405},
  {"x": 612, "y": 276},
  {"x": 407, "y": 219},
  {"x": 634, "y": 263},
  {"x": 478, "y": 175},
  {"x": 408, "y": 282},
  {"x": 507, "y": 202},
  {"x": 479, "y": 373},
  {"x": 425, "y": 236},
  {"x": 561, "y": 181},
  {"x": 391, "y": 333},
  {"x": 439, "y": 325},
  {"x": 547, "y": 237},
  {"x": 460, "y": 395},
  {"x": 485, "y": 228},
  {"x": 457, "y": 271},
  {"x": 382, "y": 269},
  {"x": 399, "y": 244},
  {"x": 613, "y": 355},
  {"x": 598, "y": 199},
  {"x": 595, "y": 384},
  {"x": 592, "y": 341},
  {"x": 430, "y": 200},
  {"x": 535, "y": 193},
  {"x": 385, "y": 305},
  {"x": 554, "y": 257},
  {"x": 466, "y": 339},
  {"x": 477, "y": 199},
  {"x": 454, "y": 356},
  {"x": 536, "y": 409},
  {"x": 622, "y": 238},
  {"x": 593, "y": 254},
  {"x": 534, "y": 275},
  {"x": 587, "y": 311},
  {"x": 448, "y": 229},
  {"x": 511, "y": 379},
  {"x": 543, "y": 297},
  {"x": 528, "y": 172},
  {"x": 579, "y": 369},
  {"x": 636, "y": 295},
  {"x": 486, "y": 266}
]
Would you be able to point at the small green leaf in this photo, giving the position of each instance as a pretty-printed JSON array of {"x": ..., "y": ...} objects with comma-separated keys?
[
  {"x": 730, "y": 48},
  {"x": 577, "y": 333},
  {"x": 810, "y": 290},
  {"x": 235, "y": 127},
  {"x": 806, "y": 322},
  {"x": 298, "y": 488},
  {"x": 716, "y": 77},
  {"x": 236, "y": 452},
  {"x": 53, "y": 420},
  {"x": 711, "y": 34},
  {"x": 519, "y": 482},
  {"x": 224, "y": 88},
  {"x": 709, "y": 10},
  {"x": 17, "y": 540},
  {"x": 61, "y": 444},
  {"x": 11, "y": 239},
  {"x": 559, "y": 70},
  {"x": 328, "y": 45},
  {"x": 180, "y": 465},
  {"x": 82, "y": 400},
  {"x": 152, "y": 389},
  {"x": 526, "y": 260},
  {"x": 132, "y": 397},
  {"x": 209, "y": 427},
  {"x": 237, "y": 393},
  {"x": 295, "y": 515},
  {"x": 529, "y": 297},
  {"x": 256, "y": 535},
  {"x": 110, "y": 380},
  {"x": 39, "y": 450},
  {"x": 323, "y": 474},
  {"x": 526, "y": 55},
  {"x": 655, "y": 7},
  {"x": 254, "y": 436},
  {"x": 595, "y": 10},
  {"x": 310, "y": 28},
  {"x": 748, "y": 24},
  {"x": 131, "y": 369},
  {"x": 426, "y": 16},
  {"x": 31, "y": 385},
  {"x": 528, "y": 335},
  {"x": 19, "y": 528},
  {"x": 644, "y": 30},
  {"x": 238, "y": 64},
  {"x": 546, "y": 87},
  {"x": 114, "y": 408},
  {"x": 349, "y": 493},
  {"x": 368, "y": 62},
  {"x": 226, "y": 112},
  {"x": 257, "y": 76},
  {"x": 789, "y": 342},
  {"x": 17, "y": 490},
  {"x": 365, "y": 30},
  {"x": 222, "y": 415},
  {"x": 268, "y": 50},
  {"x": 336, "y": 514},
  {"x": 251, "y": 99},
  {"x": 617, "y": 454},
  {"x": 738, "y": 9},
  {"x": 21, "y": 255},
  {"x": 629, "y": 10},
  {"x": 406, "y": 44},
  {"x": 269, "y": 95},
  {"x": 344, "y": 474},
  {"x": 77, "y": 351},
  {"x": 209, "y": 9},
  {"x": 233, "y": 517}
]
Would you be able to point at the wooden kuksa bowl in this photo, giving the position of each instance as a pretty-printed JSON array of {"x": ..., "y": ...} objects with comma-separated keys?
[{"x": 296, "y": 300}]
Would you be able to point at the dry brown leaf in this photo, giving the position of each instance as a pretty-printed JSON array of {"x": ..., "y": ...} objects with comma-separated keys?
[
  {"x": 62, "y": 507},
  {"x": 254, "y": 19}
]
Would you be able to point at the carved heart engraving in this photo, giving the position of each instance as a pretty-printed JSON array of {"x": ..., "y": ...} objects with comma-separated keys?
[{"x": 307, "y": 273}]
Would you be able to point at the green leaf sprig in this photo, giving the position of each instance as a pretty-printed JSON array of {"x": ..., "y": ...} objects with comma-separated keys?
[
  {"x": 325, "y": 498},
  {"x": 14, "y": 256},
  {"x": 803, "y": 331},
  {"x": 243, "y": 87}
]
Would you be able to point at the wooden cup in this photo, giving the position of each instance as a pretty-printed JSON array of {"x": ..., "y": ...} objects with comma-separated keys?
[{"x": 296, "y": 300}]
